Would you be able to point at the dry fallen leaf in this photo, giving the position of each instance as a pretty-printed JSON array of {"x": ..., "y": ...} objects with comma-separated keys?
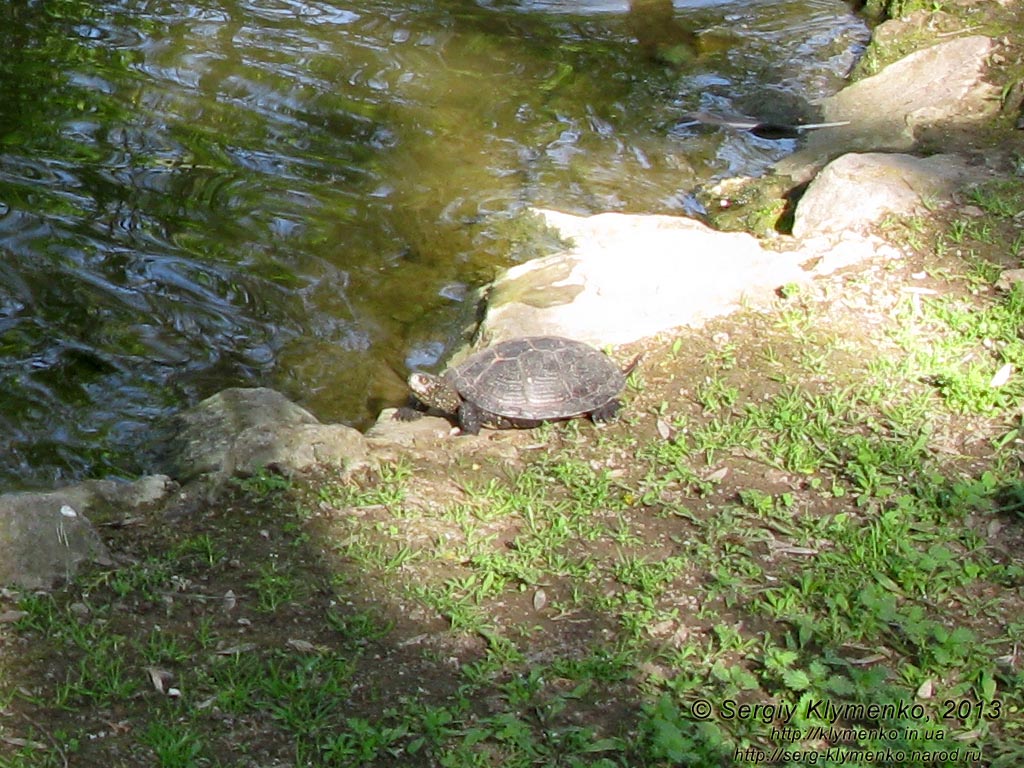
[
  {"x": 414, "y": 640},
  {"x": 661, "y": 628},
  {"x": 788, "y": 549},
  {"x": 160, "y": 678},
  {"x": 302, "y": 646},
  {"x": 664, "y": 430},
  {"x": 680, "y": 636},
  {"x": 1001, "y": 377},
  {"x": 540, "y": 599},
  {"x": 16, "y": 742},
  {"x": 880, "y": 654},
  {"x": 718, "y": 475},
  {"x": 234, "y": 649}
]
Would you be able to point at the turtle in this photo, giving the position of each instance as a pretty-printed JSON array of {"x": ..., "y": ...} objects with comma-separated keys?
[{"x": 524, "y": 382}]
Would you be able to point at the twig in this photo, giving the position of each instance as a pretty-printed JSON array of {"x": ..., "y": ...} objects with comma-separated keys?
[{"x": 49, "y": 738}]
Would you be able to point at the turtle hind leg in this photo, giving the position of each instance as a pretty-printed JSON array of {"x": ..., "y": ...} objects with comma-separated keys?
[
  {"x": 472, "y": 417},
  {"x": 606, "y": 412}
]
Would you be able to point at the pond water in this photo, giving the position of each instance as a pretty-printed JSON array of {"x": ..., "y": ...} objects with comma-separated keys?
[{"x": 196, "y": 195}]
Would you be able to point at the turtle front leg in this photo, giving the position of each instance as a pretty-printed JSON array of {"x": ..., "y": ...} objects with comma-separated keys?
[
  {"x": 412, "y": 410},
  {"x": 470, "y": 418}
]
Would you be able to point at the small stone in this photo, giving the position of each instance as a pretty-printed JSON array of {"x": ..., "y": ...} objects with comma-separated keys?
[{"x": 1009, "y": 278}]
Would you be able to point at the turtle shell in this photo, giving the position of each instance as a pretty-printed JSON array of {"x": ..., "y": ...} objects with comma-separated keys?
[{"x": 538, "y": 378}]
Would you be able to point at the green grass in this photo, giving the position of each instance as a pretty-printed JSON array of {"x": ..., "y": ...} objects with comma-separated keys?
[{"x": 789, "y": 529}]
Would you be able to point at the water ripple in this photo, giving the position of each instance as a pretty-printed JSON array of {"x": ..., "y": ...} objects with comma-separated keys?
[{"x": 298, "y": 194}]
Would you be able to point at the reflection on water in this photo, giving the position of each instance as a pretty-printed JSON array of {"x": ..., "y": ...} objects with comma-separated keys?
[{"x": 298, "y": 194}]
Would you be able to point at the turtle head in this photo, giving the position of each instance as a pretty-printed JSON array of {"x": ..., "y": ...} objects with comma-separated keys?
[{"x": 435, "y": 392}]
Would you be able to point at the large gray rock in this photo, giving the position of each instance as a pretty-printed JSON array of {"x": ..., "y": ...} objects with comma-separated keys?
[
  {"x": 938, "y": 88},
  {"x": 627, "y": 277},
  {"x": 856, "y": 190},
  {"x": 45, "y": 537},
  {"x": 241, "y": 431}
]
